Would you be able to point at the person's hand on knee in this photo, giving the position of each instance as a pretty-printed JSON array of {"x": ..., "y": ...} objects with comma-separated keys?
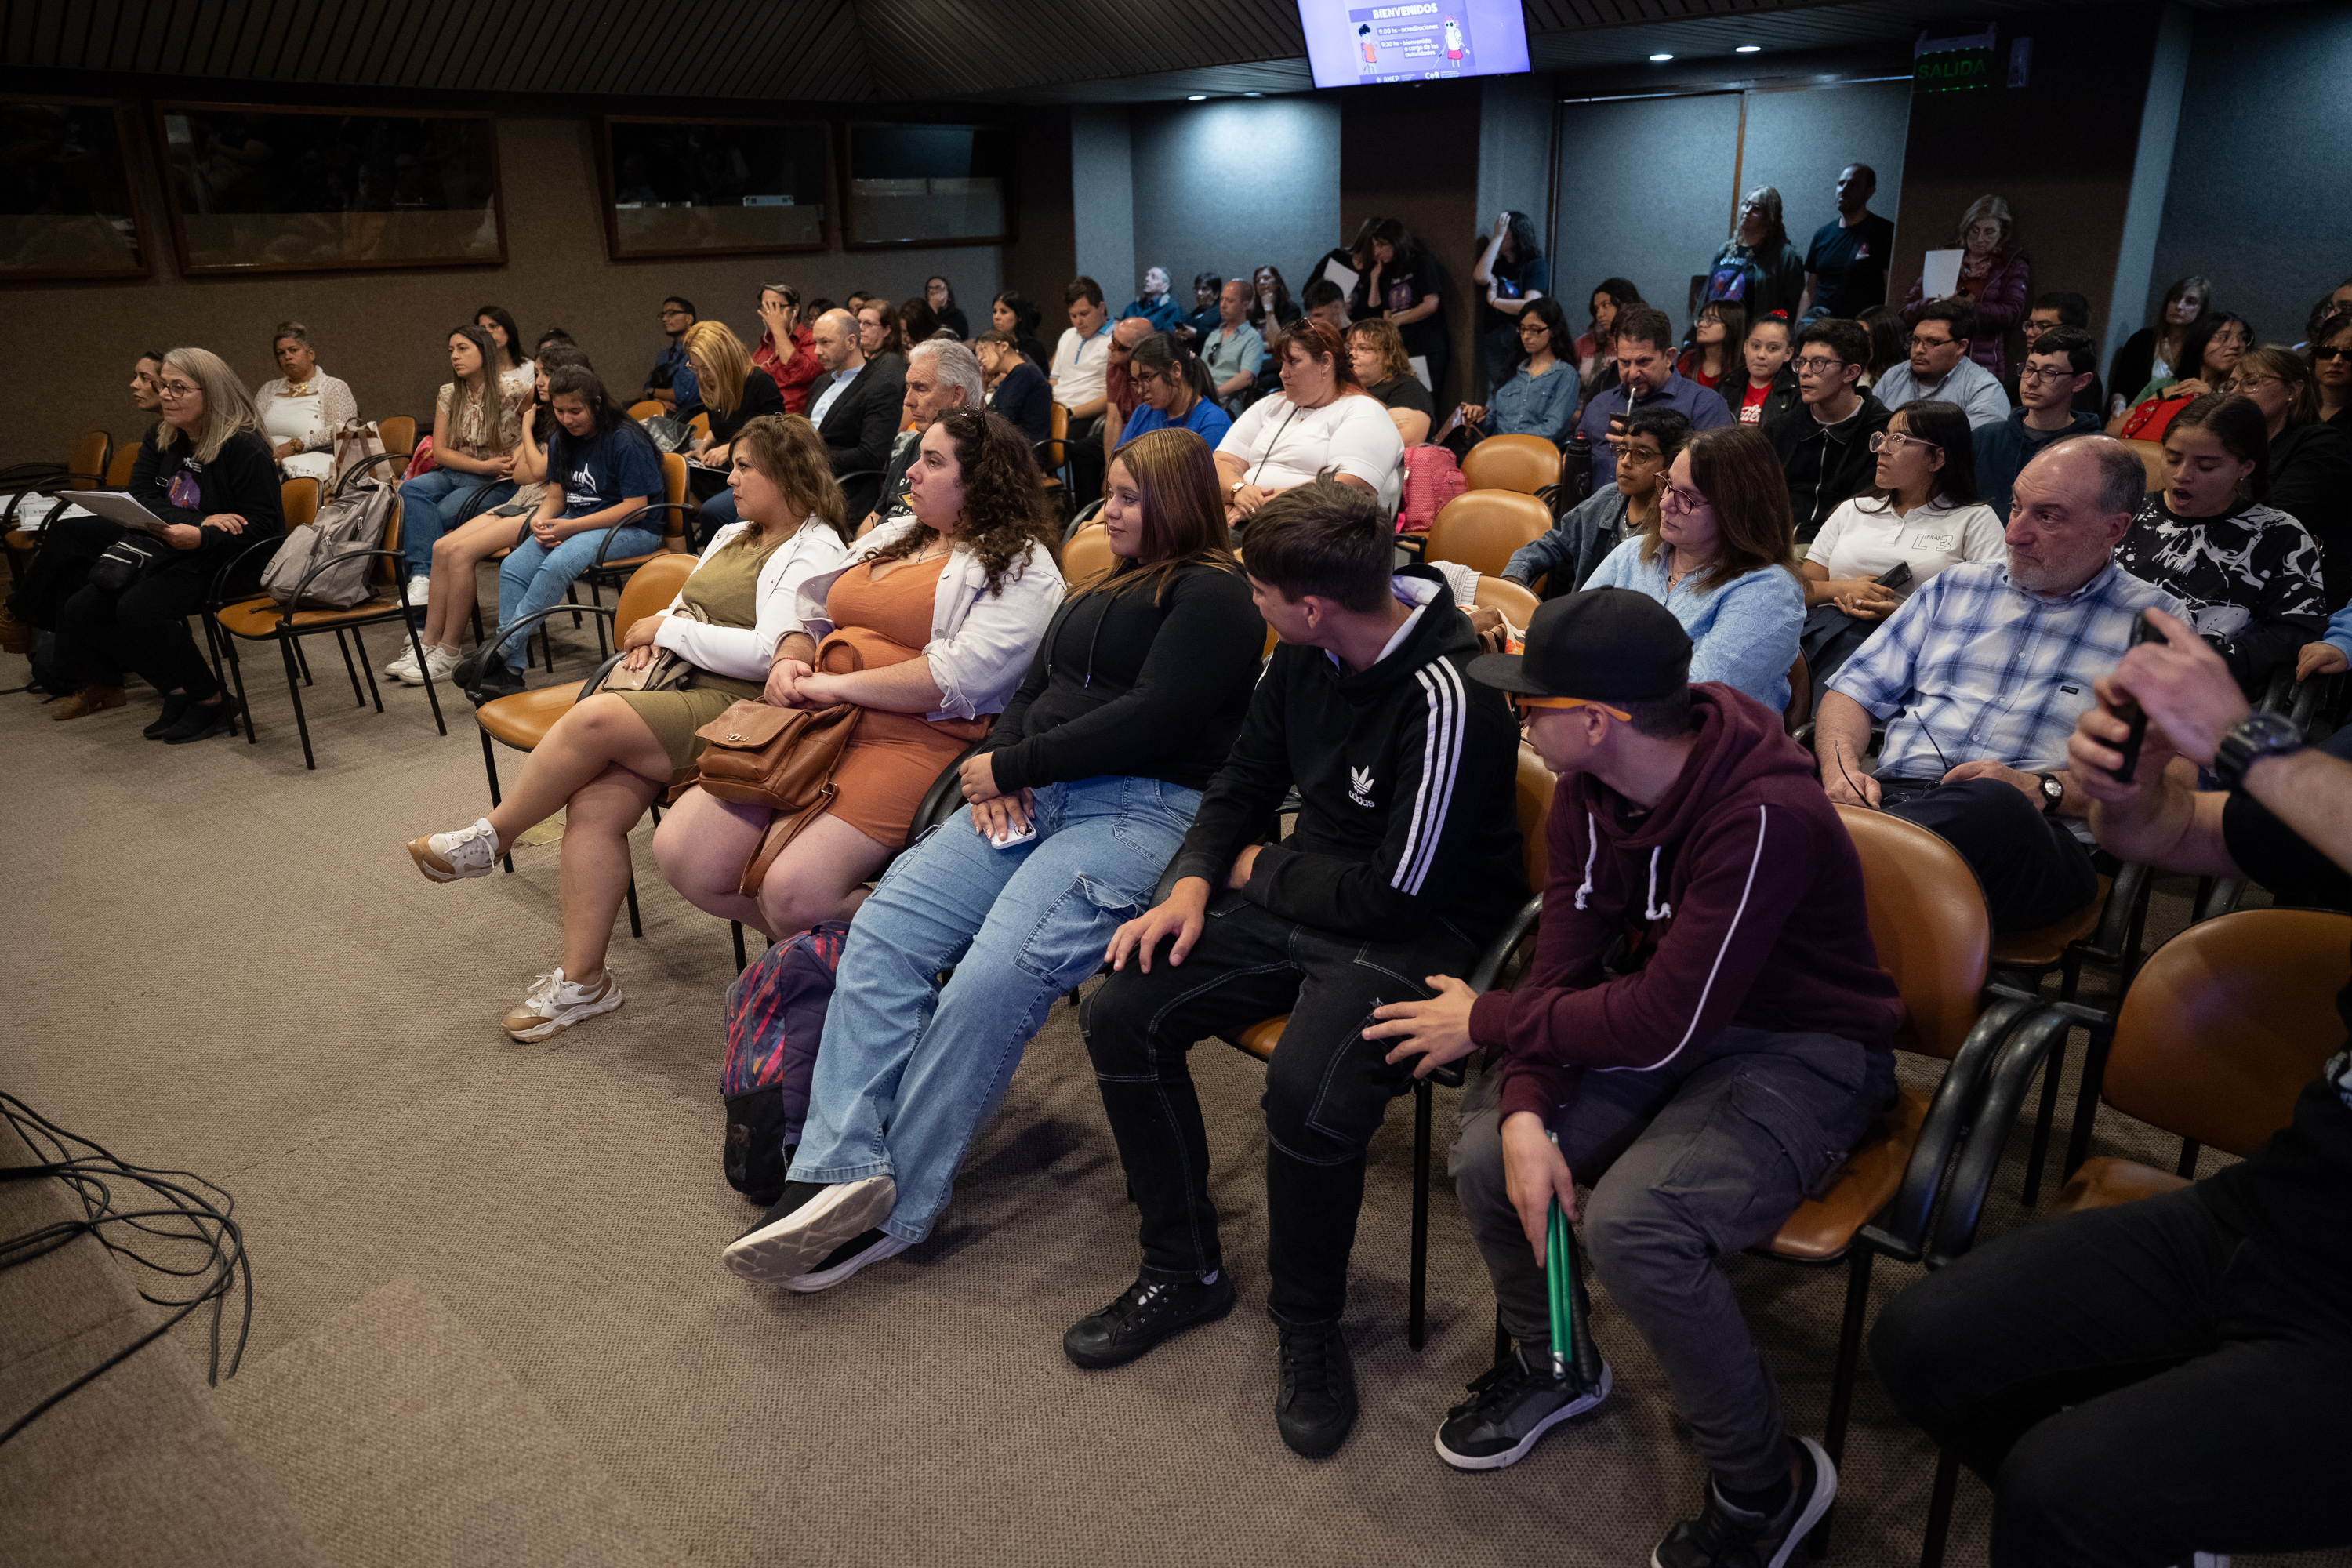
[
  {"x": 1182, "y": 918},
  {"x": 1436, "y": 1030}
]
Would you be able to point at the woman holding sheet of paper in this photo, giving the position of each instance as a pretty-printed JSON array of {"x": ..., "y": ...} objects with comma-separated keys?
[{"x": 1993, "y": 277}]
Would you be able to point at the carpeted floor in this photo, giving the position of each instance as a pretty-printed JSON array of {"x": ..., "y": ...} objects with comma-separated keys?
[{"x": 216, "y": 960}]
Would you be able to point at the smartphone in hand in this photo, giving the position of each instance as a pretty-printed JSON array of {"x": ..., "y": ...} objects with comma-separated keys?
[{"x": 2132, "y": 713}]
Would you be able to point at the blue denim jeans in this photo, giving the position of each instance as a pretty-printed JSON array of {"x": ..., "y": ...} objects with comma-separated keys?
[
  {"x": 908, "y": 1071},
  {"x": 534, "y": 577},
  {"x": 429, "y": 505}
]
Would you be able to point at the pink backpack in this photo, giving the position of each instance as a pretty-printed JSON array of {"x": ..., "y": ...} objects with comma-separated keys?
[{"x": 1431, "y": 478}]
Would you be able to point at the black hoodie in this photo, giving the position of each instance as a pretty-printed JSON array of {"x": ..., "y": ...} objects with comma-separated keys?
[{"x": 1405, "y": 773}]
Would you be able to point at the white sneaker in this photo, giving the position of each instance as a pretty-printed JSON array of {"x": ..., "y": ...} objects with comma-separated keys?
[
  {"x": 440, "y": 662},
  {"x": 555, "y": 1003},
  {"x": 403, "y": 669},
  {"x": 469, "y": 852},
  {"x": 420, "y": 592}
]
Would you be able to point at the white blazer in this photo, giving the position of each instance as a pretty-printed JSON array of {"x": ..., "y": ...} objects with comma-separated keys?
[
  {"x": 745, "y": 652},
  {"x": 980, "y": 643}
]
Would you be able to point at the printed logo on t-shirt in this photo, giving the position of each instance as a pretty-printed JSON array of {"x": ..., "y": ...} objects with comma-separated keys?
[
  {"x": 1862, "y": 251},
  {"x": 1359, "y": 787},
  {"x": 580, "y": 490}
]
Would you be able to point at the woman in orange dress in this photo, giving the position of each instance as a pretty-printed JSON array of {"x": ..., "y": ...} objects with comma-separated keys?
[{"x": 929, "y": 628}]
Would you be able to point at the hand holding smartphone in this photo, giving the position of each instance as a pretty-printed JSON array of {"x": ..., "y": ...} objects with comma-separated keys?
[{"x": 2132, "y": 713}]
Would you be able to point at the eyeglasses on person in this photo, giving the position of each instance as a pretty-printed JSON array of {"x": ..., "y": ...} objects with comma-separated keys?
[{"x": 1896, "y": 440}]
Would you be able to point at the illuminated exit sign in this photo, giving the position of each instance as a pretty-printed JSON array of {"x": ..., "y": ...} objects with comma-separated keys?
[{"x": 1954, "y": 65}]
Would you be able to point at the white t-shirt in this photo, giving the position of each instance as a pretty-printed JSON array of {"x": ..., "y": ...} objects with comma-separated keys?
[
  {"x": 1282, "y": 445},
  {"x": 1864, "y": 538},
  {"x": 1079, "y": 366}
]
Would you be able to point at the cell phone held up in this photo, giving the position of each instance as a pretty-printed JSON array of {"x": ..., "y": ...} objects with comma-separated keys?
[{"x": 2132, "y": 713}]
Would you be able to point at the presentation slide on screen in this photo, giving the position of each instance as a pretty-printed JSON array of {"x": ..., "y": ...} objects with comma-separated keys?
[{"x": 1412, "y": 41}]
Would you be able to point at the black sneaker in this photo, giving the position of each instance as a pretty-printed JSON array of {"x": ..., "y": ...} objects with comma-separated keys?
[
  {"x": 1146, "y": 1314},
  {"x": 200, "y": 720},
  {"x": 1314, "y": 1404},
  {"x": 846, "y": 1259},
  {"x": 1722, "y": 1536},
  {"x": 1511, "y": 1406},
  {"x": 493, "y": 681},
  {"x": 175, "y": 708}
]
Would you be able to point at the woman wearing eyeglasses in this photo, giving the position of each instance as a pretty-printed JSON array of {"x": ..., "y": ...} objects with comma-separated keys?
[
  {"x": 2310, "y": 462},
  {"x": 1722, "y": 557},
  {"x": 1175, "y": 390},
  {"x": 1537, "y": 398},
  {"x": 1993, "y": 276},
  {"x": 1919, "y": 516},
  {"x": 2208, "y": 355}
]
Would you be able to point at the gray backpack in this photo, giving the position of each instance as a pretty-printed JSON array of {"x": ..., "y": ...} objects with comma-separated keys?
[{"x": 354, "y": 520}]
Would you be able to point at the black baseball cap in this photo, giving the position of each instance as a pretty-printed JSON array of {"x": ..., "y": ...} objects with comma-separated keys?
[{"x": 1603, "y": 645}]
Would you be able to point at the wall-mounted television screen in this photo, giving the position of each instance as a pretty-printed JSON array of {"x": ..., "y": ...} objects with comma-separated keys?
[{"x": 1354, "y": 43}]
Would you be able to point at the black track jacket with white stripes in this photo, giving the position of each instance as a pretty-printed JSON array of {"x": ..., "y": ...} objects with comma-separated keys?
[{"x": 1405, "y": 775}]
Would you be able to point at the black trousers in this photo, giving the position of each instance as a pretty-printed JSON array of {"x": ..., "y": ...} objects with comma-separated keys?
[
  {"x": 1327, "y": 1087},
  {"x": 2135, "y": 1384},
  {"x": 69, "y": 547},
  {"x": 2033, "y": 870},
  {"x": 144, "y": 629},
  {"x": 1086, "y": 465}
]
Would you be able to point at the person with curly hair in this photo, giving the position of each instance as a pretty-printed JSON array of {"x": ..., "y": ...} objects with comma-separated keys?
[{"x": 927, "y": 628}]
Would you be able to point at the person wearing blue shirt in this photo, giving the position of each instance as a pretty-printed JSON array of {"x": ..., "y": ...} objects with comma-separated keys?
[
  {"x": 1646, "y": 369},
  {"x": 1154, "y": 304},
  {"x": 1940, "y": 368},
  {"x": 1722, "y": 556},
  {"x": 1538, "y": 395},
  {"x": 602, "y": 469},
  {"x": 1176, "y": 391},
  {"x": 671, "y": 381},
  {"x": 1192, "y": 331}
]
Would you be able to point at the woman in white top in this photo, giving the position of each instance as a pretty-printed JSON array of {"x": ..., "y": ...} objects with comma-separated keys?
[
  {"x": 1921, "y": 516},
  {"x": 928, "y": 625},
  {"x": 1322, "y": 418},
  {"x": 302, "y": 409},
  {"x": 610, "y": 757}
]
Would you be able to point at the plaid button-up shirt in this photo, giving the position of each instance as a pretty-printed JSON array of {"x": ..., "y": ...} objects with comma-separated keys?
[{"x": 1972, "y": 667}]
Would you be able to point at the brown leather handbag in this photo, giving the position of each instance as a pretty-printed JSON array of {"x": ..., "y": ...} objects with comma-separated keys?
[{"x": 781, "y": 758}]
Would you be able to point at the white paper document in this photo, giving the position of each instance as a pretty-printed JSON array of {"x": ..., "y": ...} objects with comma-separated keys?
[
  {"x": 115, "y": 506},
  {"x": 1344, "y": 276},
  {"x": 1419, "y": 363},
  {"x": 1939, "y": 276}
]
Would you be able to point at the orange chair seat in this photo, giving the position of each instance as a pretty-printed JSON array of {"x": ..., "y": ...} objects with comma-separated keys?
[
  {"x": 2045, "y": 947},
  {"x": 2104, "y": 1184},
  {"x": 1260, "y": 1038},
  {"x": 261, "y": 618},
  {"x": 523, "y": 720},
  {"x": 1822, "y": 1228}
]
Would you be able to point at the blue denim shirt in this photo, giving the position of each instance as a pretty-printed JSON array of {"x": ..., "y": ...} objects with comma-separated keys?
[
  {"x": 1743, "y": 633},
  {"x": 1534, "y": 404}
]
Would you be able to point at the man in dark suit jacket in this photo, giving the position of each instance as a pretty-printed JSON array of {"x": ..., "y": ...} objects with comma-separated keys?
[{"x": 854, "y": 408}]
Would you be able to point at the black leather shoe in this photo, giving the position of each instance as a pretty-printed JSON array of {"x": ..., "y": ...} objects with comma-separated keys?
[
  {"x": 1315, "y": 1405},
  {"x": 1147, "y": 1314},
  {"x": 175, "y": 707},
  {"x": 200, "y": 721}
]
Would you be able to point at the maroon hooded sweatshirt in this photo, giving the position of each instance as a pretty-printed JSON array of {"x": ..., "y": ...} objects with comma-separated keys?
[{"x": 1742, "y": 891}]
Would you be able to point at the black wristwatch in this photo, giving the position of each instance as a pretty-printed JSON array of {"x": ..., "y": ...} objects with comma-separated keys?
[
  {"x": 2251, "y": 738},
  {"x": 2053, "y": 793}
]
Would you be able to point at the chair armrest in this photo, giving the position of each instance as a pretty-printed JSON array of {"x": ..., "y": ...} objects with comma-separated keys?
[
  {"x": 2027, "y": 1048},
  {"x": 2278, "y": 694},
  {"x": 590, "y": 687},
  {"x": 613, "y": 529},
  {"x": 945, "y": 797},
  {"x": 536, "y": 616},
  {"x": 217, "y": 595},
  {"x": 302, "y": 589},
  {"x": 2309, "y": 697},
  {"x": 352, "y": 476},
  {"x": 2107, "y": 940},
  {"x": 1901, "y": 1228}
]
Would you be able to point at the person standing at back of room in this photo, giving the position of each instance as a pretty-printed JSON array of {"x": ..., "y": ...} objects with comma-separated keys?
[{"x": 1846, "y": 271}]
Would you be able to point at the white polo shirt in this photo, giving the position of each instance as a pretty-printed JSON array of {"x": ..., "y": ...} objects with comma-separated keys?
[{"x": 1080, "y": 365}]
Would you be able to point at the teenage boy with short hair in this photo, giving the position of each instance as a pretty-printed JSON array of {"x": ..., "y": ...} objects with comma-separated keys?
[
  {"x": 1823, "y": 443},
  {"x": 1744, "y": 1042},
  {"x": 1404, "y": 860},
  {"x": 2060, "y": 363}
]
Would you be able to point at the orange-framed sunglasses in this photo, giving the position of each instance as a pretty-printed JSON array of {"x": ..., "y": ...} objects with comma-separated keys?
[{"x": 1519, "y": 706}]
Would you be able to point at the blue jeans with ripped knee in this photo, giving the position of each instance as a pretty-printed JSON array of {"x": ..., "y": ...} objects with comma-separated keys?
[{"x": 909, "y": 1072}]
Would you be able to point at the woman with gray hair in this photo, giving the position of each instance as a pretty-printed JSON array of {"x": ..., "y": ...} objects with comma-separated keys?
[
  {"x": 206, "y": 472},
  {"x": 1994, "y": 275},
  {"x": 301, "y": 410},
  {"x": 1757, "y": 269}
]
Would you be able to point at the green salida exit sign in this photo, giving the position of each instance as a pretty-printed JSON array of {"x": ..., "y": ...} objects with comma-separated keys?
[{"x": 1953, "y": 65}]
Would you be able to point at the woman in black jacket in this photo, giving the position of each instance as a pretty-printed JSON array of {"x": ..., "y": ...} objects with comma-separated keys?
[
  {"x": 207, "y": 470},
  {"x": 1080, "y": 795}
]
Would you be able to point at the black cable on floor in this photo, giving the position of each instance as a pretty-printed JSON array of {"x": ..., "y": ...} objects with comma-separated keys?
[{"x": 186, "y": 1209}]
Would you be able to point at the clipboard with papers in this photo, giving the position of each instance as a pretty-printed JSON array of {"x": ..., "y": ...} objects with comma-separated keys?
[{"x": 115, "y": 506}]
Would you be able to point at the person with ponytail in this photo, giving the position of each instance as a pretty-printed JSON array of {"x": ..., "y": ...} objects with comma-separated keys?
[{"x": 1176, "y": 391}]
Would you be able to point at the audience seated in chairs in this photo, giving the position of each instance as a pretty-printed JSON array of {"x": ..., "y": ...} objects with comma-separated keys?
[
  {"x": 672, "y": 382},
  {"x": 734, "y": 393},
  {"x": 1939, "y": 365},
  {"x": 879, "y": 336},
  {"x": 1596, "y": 351},
  {"x": 2209, "y": 352},
  {"x": 1192, "y": 331},
  {"x": 2331, "y": 369},
  {"x": 927, "y": 628},
  {"x": 1173, "y": 390},
  {"x": 943, "y": 376},
  {"x": 1720, "y": 557},
  {"x": 1016, "y": 389},
  {"x": 2063, "y": 307},
  {"x": 1919, "y": 518},
  {"x": 1979, "y": 677},
  {"x": 1119, "y": 397},
  {"x": 916, "y": 320},
  {"x": 2161, "y": 1379},
  {"x": 1232, "y": 350},
  {"x": 2248, "y": 574},
  {"x": 1127, "y": 709},
  {"x": 476, "y": 419},
  {"x": 1018, "y": 315},
  {"x": 1322, "y": 418},
  {"x": 1823, "y": 443},
  {"x": 1646, "y": 378},
  {"x": 69, "y": 545},
  {"x": 2310, "y": 462},
  {"x": 602, "y": 469},
  {"x": 1538, "y": 396},
  {"x": 787, "y": 349},
  {"x": 301, "y": 409},
  {"x": 854, "y": 407},
  {"x": 2150, "y": 354},
  {"x": 2060, "y": 366},
  {"x": 1711, "y": 356},
  {"x": 1404, "y": 860},
  {"x": 1764, "y": 992},
  {"x": 1156, "y": 303},
  {"x": 1568, "y": 553},
  {"x": 1768, "y": 389},
  {"x": 1080, "y": 375},
  {"x": 1271, "y": 308},
  {"x": 615, "y": 753},
  {"x": 1326, "y": 303},
  {"x": 1385, "y": 369},
  {"x": 940, "y": 295},
  {"x": 207, "y": 470},
  {"x": 1888, "y": 340}
]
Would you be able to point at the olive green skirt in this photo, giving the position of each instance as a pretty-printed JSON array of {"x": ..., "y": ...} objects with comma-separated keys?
[{"x": 675, "y": 716}]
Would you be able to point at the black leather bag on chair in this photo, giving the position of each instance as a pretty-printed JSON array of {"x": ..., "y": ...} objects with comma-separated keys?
[{"x": 128, "y": 560}]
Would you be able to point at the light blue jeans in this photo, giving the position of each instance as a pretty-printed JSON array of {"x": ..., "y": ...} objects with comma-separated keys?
[
  {"x": 429, "y": 505},
  {"x": 534, "y": 577},
  {"x": 908, "y": 1071}
]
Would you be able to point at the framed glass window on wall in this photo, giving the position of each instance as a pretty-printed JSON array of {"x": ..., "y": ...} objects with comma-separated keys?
[
  {"x": 311, "y": 190},
  {"x": 704, "y": 187},
  {"x": 65, "y": 211},
  {"x": 929, "y": 184}
]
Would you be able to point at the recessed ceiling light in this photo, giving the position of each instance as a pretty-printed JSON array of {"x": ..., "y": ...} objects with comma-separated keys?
[
  {"x": 1748, "y": 50},
  {"x": 1196, "y": 96},
  {"x": 1253, "y": 95},
  {"x": 1662, "y": 57}
]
